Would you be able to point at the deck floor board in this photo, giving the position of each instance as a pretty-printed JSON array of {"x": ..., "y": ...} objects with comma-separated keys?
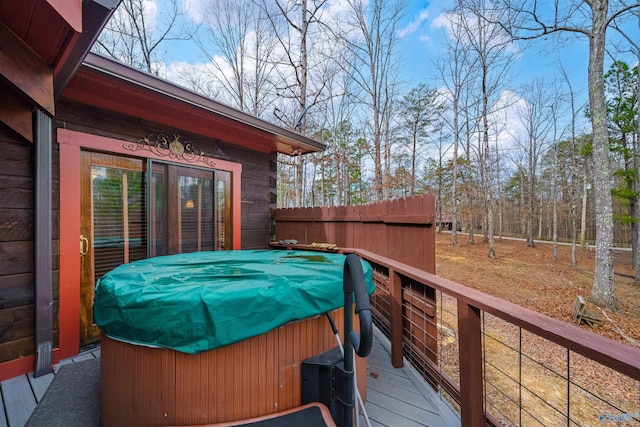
[
  {"x": 3, "y": 415},
  {"x": 39, "y": 385},
  {"x": 19, "y": 400},
  {"x": 395, "y": 396}
]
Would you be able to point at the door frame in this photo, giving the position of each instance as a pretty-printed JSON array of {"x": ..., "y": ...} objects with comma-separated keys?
[{"x": 71, "y": 144}]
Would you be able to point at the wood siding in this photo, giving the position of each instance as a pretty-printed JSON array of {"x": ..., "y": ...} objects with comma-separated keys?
[
  {"x": 17, "y": 256},
  {"x": 16, "y": 246},
  {"x": 17, "y": 204}
]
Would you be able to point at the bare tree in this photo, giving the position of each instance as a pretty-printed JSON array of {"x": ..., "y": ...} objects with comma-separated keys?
[
  {"x": 370, "y": 32},
  {"x": 134, "y": 33},
  {"x": 490, "y": 43},
  {"x": 455, "y": 72},
  {"x": 530, "y": 20},
  {"x": 537, "y": 119},
  {"x": 294, "y": 23},
  {"x": 237, "y": 41},
  {"x": 573, "y": 190}
]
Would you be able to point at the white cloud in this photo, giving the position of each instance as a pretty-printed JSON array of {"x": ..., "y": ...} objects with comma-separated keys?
[
  {"x": 506, "y": 120},
  {"x": 196, "y": 10},
  {"x": 415, "y": 24},
  {"x": 464, "y": 28},
  {"x": 443, "y": 20}
]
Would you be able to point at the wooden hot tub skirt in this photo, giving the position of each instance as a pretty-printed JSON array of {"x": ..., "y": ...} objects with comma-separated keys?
[{"x": 256, "y": 377}]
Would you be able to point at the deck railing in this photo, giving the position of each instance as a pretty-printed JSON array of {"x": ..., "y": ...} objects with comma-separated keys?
[
  {"x": 499, "y": 363},
  {"x": 494, "y": 361}
]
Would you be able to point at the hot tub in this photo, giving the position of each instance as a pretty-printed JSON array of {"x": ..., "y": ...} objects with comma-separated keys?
[{"x": 214, "y": 336}]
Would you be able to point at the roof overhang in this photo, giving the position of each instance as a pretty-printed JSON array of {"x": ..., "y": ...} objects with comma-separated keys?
[
  {"x": 42, "y": 43},
  {"x": 110, "y": 85},
  {"x": 55, "y": 35}
]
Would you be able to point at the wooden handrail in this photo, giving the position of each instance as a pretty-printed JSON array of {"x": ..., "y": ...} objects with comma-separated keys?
[
  {"x": 469, "y": 392},
  {"x": 613, "y": 354}
]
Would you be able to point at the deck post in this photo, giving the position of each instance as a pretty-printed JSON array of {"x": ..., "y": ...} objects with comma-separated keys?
[
  {"x": 470, "y": 356},
  {"x": 395, "y": 308}
]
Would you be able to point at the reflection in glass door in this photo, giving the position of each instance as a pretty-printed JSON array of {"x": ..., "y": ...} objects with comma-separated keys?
[{"x": 196, "y": 211}]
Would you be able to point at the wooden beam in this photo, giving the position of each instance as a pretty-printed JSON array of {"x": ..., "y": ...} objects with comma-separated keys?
[
  {"x": 395, "y": 308},
  {"x": 69, "y": 282},
  {"x": 15, "y": 113},
  {"x": 70, "y": 11},
  {"x": 470, "y": 354},
  {"x": 25, "y": 70}
]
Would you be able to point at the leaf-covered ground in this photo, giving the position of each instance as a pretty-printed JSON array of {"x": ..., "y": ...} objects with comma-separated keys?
[{"x": 529, "y": 277}]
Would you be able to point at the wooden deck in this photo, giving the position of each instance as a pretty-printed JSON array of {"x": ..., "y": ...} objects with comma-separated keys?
[
  {"x": 399, "y": 397},
  {"x": 20, "y": 395},
  {"x": 395, "y": 397}
]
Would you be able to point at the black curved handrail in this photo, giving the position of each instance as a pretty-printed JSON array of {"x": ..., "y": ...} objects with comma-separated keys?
[{"x": 354, "y": 284}]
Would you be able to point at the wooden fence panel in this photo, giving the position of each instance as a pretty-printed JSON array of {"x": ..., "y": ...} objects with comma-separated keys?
[{"x": 402, "y": 230}]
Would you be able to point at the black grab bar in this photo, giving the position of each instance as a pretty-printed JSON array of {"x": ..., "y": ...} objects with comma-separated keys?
[{"x": 354, "y": 284}]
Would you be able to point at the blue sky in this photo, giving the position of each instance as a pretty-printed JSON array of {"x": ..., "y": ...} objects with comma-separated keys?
[{"x": 422, "y": 42}]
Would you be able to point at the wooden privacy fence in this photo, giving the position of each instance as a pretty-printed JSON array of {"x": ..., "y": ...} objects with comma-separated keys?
[{"x": 402, "y": 230}]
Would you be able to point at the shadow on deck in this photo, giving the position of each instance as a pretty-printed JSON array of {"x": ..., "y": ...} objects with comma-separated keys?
[{"x": 395, "y": 396}]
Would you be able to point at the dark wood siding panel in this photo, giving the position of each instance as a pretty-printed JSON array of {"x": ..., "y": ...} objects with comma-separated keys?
[
  {"x": 257, "y": 202},
  {"x": 16, "y": 224},
  {"x": 15, "y": 158},
  {"x": 16, "y": 246},
  {"x": 20, "y": 348},
  {"x": 16, "y": 192},
  {"x": 16, "y": 290},
  {"x": 16, "y": 323},
  {"x": 255, "y": 221},
  {"x": 15, "y": 349},
  {"x": 16, "y": 257}
]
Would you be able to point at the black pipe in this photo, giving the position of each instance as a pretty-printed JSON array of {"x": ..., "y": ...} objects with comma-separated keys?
[{"x": 354, "y": 284}]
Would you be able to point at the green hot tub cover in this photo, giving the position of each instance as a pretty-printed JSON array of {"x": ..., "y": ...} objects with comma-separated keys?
[{"x": 198, "y": 301}]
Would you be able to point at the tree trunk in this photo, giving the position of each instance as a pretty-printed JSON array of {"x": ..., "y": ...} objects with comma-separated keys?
[
  {"x": 602, "y": 291},
  {"x": 489, "y": 233},
  {"x": 583, "y": 219},
  {"x": 636, "y": 161},
  {"x": 531, "y": 189},
  {"x": 554, "y": 220},
  {"x": 454, "y": 184}
]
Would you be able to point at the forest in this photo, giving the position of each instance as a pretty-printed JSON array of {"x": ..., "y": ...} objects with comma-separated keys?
[{"x": 537, "y": 160}]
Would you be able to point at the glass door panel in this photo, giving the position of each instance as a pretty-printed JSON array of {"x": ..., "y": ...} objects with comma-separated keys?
[
  {"x": 113, "y": 224},
  {"x": 196, "y": 192},
  {"x": 223, "y": 210},
  {"x": 159, "y": 207}
]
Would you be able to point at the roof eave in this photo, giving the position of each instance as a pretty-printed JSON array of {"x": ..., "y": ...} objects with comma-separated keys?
[
  {"x": 297, "y": 144},
  {"x": 95, "y": 15}
]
